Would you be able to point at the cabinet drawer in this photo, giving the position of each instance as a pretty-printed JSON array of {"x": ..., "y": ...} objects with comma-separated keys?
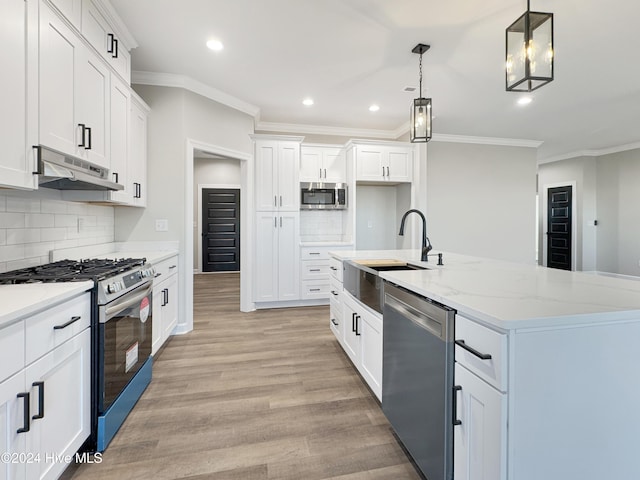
[
  {"x": 56, "y": 325},
  {"x": 315, "y": 269},
  {"x": 483, "y": 341},
  {"x": 336, "y": 268},
  {"x": 315, "y": 289},
  {"x": 12, "y": 346},
  {"x": 335, "y": 291},
  {"x": 314, "y": 253},
  {"x": 165, "y": 268}
]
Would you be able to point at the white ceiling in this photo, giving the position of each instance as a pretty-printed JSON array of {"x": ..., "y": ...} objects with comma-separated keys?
[{"x": 348, "y": 54}]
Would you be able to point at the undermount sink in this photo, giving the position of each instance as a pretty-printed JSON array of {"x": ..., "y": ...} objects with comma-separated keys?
[
  {"x": 386, "y": 268},
  {"x": 385, "y": 265}
]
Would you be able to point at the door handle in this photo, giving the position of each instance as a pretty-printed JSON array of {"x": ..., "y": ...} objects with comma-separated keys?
[
  {"x": 357, "y": 322},
  {"x": 26, "y": 424},
  {"x": 456, "y": 389},
  {"x": 83, "y": 127},
  {"x": 115, "y": 175},
  {"x": 40, "y": 413},
  {"x": 110, "y": 39},
  {"x": 388, "y": 172},
  {"x": 353, "y": 322},
  {"x": 333, "y": 320},
  {"x": 115, "y": 48},
  {"x": 88, "y": 147}
]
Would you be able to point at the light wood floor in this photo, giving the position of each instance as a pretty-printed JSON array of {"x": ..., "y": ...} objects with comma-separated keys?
[{"x": 264, "y": 395}]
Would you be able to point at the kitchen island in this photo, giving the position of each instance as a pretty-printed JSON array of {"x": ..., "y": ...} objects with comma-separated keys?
[{"x": 558, "y": 397}]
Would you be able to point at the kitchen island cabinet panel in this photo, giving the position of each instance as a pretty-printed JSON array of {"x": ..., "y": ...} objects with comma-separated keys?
[
  {"x": 164, "y": 310},
  {"x": 480, "y": 440}
]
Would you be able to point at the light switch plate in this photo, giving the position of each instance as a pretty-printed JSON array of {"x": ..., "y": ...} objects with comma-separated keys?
[{"x": 162, "y": 225}]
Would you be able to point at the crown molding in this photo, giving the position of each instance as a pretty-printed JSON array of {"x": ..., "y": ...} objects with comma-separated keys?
[
  {"x": 591, "y": 153},
  {"x": 188, "y": 83},
  {"x": 121, "y": 30},
  {"x": 324, "y": 130}
]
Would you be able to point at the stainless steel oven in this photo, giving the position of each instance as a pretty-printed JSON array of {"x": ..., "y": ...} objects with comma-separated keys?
[{"x": 124, "y": 341}]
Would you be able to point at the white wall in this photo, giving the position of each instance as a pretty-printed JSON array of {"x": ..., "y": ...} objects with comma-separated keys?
[
  {"x": 378, "y": 213},
  {"x": 33, "y": 223},
  {"x": 481, "y": 200},
  {"x": 176, "y": 117},
  {"x": 618, "y": 198},
  {"x": 582, "y": 172}
]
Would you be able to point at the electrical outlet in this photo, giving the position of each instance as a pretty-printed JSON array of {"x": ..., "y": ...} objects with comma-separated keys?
[{"x": 162, "y": 225}]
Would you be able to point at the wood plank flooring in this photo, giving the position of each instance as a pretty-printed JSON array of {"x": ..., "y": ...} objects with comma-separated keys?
[{"x": 258, "y": 396}]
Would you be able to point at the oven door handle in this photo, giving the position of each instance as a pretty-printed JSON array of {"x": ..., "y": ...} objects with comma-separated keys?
[{"x": 112, "y": 311}]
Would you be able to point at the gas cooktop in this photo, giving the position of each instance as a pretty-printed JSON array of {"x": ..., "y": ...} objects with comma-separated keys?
[{"x": 71, "y": 271}]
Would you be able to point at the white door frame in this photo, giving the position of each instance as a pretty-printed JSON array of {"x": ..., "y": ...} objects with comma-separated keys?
[
  {"x": 246, "y": 227},
  {"x": 202, "y": 186},
  {"x": 574, "y": 222}
]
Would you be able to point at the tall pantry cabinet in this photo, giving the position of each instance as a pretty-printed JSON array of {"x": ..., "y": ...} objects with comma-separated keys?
[{"x": 276, "y": 253}]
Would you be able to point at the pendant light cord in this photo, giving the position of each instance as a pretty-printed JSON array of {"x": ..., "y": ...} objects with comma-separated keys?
[{"x": 420, "y": 70}]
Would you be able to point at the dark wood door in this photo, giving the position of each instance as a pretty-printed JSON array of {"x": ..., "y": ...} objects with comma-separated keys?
[
  {"x": 220, "y": 230},
  {"x": 559, "y": 218}
]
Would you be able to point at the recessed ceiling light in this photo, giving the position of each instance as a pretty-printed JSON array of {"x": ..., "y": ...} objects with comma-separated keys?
[
  {"x": 524, "y": 100},
  {"x": 374, "y": 108},
  {"x": 215, "y": 45},
  {"x": 308, "y": 102}
]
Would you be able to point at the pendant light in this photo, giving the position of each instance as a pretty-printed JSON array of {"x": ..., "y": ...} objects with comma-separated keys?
[
  {"x": 529, "y": 52},
  {"x": 420, "y": 126}
]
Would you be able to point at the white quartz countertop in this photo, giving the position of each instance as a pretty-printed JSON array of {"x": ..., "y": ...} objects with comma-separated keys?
[
  {"x": 510, "y": 295},
  {"x": 17, "y": 301}
]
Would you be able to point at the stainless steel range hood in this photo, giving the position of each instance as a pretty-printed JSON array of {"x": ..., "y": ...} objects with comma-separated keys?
[{"x": 63, "y": 172}]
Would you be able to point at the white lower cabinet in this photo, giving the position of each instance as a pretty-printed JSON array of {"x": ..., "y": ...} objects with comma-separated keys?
[
  {"x": 480, "y": 439},
  {"x": 45, "y": 405},
  {"x": 362, "y": 330},
  {"x": 164, "y": 309}
]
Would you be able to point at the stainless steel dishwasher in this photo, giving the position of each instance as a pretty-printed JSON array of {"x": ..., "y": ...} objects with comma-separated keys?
[{"x": 417, "y": 378}]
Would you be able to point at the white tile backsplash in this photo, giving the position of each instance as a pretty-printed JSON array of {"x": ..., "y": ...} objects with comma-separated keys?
[
  {"x": 33, "y": 223},
  {"x": 321, "y": 226}
]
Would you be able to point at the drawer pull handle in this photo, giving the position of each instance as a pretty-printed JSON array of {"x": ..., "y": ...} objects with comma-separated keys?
[
  {"x": 172, "y": 266},
  {"x": 333, "y": 320},
  {"x": 314, "y": 269},
  {"x": 334, "y": 293},
  {"x": 334, "y": 269},
  {"x": 481, "y": 356},
  {"x": 65, "y": 325},
  {"x": 40, "y": 413},
  {"x": 456, "y": 389},
  {"x": 314, "y": 289},
  {"x": 314, "y": 253},
  {"x": 26, "y": 424}
]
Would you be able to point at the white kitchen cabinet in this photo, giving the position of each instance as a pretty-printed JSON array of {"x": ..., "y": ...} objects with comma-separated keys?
[
  {"x": 322, "y": 164},
  {"x": 165, "y": 302},
  {"x": 377, "y": 162},
  {"x": 101, "y": 35},
  {"x": 45, "y": 406},
  {"x": 70, "y": 9},
  {"x": 120, "y": 107},
  {"x": 277, "y": 164},
  {"x": 11, "y": 420},
  {"x": 17, "y": 161},
  {"x": 480, "y": 440},
  {"x": 61, "y": 380},
  {"x": 74, "y": 93},
  {"x": 137, "y": 171},
  {"x": 277, "y": 258},
  {"x": 362, "y": 330}
]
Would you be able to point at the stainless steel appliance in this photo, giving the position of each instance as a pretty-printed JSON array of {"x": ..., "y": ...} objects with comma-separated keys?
[
  {"x": 417, "y": 378},
  {"x": 323, "y": 196},
  {"x": 121, "y": 333},
  {"x": 362, "y": 281},
  {"x": 62, "y": 172}
]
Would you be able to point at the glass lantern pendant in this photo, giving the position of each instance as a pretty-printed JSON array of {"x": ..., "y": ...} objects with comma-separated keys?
[
  {"x": 420, "y": 122},
  {"x": 529, "y": 52}
]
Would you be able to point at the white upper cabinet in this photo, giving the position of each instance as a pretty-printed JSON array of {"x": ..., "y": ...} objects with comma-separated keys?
[
  {"x": 70, "y": 9},
  {"x": 119, "y": 133},
  {"x": 322, "y": 164},
  {"x": 74, "y": 93},
  {"x": 277, "y": 168},
  {"x": 137, "y": 173},
  {"x": 381, "y": 163},
  {"x": 101, "y": 35},
  {"x": 17, "y": 161}
]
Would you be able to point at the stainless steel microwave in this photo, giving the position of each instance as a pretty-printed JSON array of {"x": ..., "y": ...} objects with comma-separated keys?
[{"x": 323, "y": 196}]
